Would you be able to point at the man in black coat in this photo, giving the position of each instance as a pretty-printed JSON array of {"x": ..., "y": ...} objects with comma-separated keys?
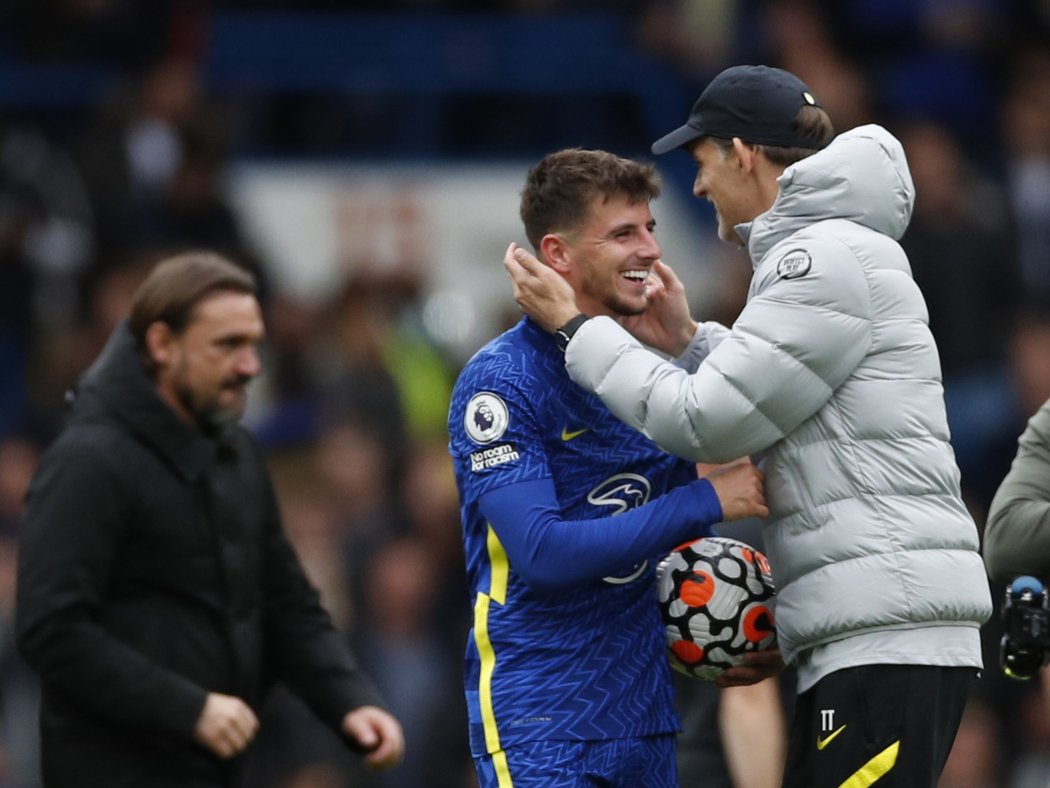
[{"x": 158, "y": 596}]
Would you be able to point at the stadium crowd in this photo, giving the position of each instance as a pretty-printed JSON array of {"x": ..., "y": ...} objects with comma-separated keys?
[{"x": 353, "y": 404}]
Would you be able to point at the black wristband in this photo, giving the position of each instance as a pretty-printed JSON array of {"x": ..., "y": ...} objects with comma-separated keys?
[{"x": 566, "y": 332}]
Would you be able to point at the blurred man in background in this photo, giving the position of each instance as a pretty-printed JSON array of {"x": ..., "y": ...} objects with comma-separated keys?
[{"x": 158, "y": 597}]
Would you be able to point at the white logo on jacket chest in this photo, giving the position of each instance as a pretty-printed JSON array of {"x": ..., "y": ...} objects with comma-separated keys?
[{"x": 794, "y": 264}]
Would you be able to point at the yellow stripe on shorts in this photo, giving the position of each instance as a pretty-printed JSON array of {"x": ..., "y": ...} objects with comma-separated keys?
[{"x": 875, "y": 769}]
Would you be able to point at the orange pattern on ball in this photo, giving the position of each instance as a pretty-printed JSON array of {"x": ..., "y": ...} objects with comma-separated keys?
[
  {"x": 687, "y": 651},
  {"x": 697, "y": 590}
]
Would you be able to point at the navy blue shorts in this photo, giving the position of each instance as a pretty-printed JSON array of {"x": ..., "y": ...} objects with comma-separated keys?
[{"x": 612, "y": 763}]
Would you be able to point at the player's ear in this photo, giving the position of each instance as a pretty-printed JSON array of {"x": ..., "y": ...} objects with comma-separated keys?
[
  {"x": 745, "y": 154},
  {"x": 160, "y": 342},
  {"x": 555, "y": 252}
]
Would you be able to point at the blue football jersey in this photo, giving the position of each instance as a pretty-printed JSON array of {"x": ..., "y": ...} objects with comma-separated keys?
[{"x": 586, "y": 662}]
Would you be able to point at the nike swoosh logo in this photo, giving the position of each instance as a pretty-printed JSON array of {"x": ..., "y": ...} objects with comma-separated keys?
[
  {"x": 568, "y": 436},
  {"x": 822, "y": 743}
]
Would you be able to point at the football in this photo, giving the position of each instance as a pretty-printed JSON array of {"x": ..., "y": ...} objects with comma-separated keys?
[{"x": 716, "y": 599}]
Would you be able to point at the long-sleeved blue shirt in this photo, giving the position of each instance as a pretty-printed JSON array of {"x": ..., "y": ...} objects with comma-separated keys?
[{"x": 565, "y": 512}]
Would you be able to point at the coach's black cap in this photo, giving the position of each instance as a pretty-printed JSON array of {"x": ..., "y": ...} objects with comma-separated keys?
[{"x": 759, "y": 104}]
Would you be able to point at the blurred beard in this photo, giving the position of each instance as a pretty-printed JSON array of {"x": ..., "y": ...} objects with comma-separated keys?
[{"x": 210, "y": 416}]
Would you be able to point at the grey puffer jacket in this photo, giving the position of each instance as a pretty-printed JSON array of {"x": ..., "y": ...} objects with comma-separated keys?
[{"x": 830, "y": 370}]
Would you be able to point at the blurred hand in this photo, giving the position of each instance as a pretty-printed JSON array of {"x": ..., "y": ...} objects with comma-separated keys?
[
  {"x": 665, "y": 324},
  {"x": 378, "y": 733},
  {"x": 757, "y": 666},
  {"x": 739, "y": 487},
  {"x": 540, "y": 291},
  {"x": 226, "y": 725}
]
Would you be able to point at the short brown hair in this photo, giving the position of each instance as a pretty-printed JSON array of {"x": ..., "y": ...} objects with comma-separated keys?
[
  {"x": 177, "y": 284},
  {"x": 811, "y": 123},
  {"x": 559, "y": 190}
]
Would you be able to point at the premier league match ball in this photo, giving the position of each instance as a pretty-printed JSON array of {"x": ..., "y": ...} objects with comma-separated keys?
[{"x": 716, "y": 597}]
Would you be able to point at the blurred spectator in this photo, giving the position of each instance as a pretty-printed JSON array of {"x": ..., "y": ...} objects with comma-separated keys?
[
  {"x": 152, "y": 161},
  {"x": 799, "y": 40},
  {"x": 400, "y": 646},
  {"x": 289, "y": 400},
  {"x": 1030, "y": 360},
  {"x": 423, "y": 375},
  {"x": 1026, "y": 131},
  {"x": 930, "y": 56},
  {"x": 315, "y": 531},
  {"x": 700, "y": 38},
  {"x": 372, "y": 364},
  {"x": 695, "y": 36},
  {"x": 350, "y": 365},
  {"x": 193, "y": 211},
  {"x": 431, "y": 507},
  {"x": 19, "y": 688},
  {"x": 45, "y": 243},
  {"x": 963, "y": 249},
  {"x": 354, "y": 470},
  {"x": 962, "y": 245}
]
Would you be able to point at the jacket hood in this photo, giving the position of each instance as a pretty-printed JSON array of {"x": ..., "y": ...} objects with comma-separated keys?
[
  {"x": 118, "y": 387},
  {"x": 862, "y": 177}
]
